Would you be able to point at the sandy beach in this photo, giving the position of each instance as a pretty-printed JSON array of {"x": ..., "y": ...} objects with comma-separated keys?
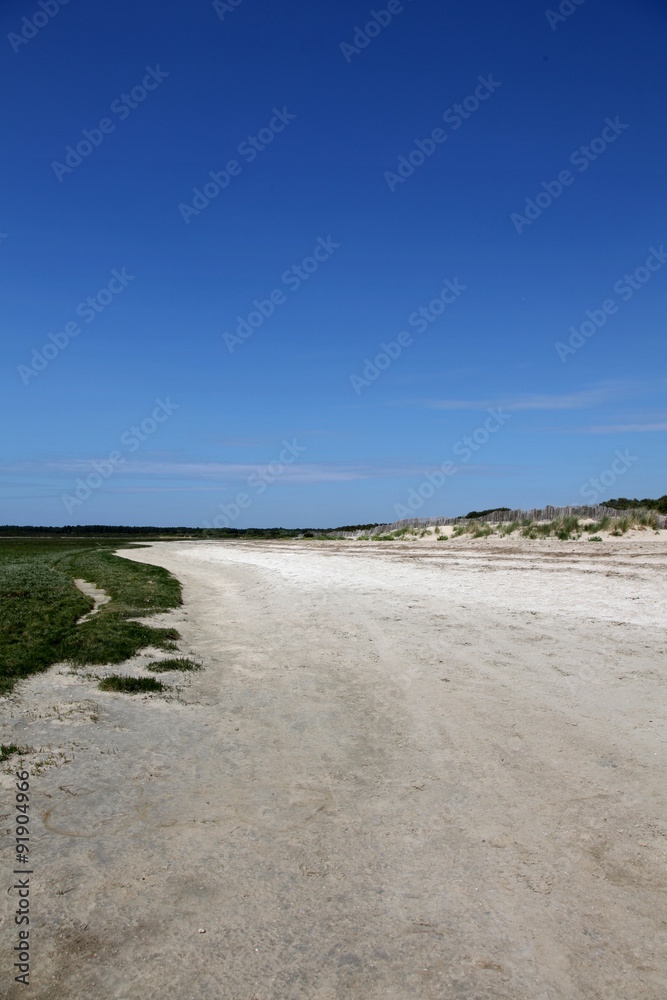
[{"x": 409, "y": 770}]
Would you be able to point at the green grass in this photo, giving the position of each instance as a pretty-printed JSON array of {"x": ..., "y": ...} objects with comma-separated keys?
[
  {"x": 508, "y": 528},
  {"x": 130, "y": 685},
  {"x": 646, "y": 521},
  {"x": 595, "y": 538},
  {"x": 482, "y": 531},
  {"x": 392, "y": 536},
  {"x": 177, "y": 663},
  {"x": 562, "y": 527},
  {"x": 8, "y": 750},
  {"x": 601, "y": 525},
  {"x": 474, "y": 528},
  {"x": 638, "y": 521},
  {"x": 566, "y": 528},
  {"x": 41, "y": 605}
]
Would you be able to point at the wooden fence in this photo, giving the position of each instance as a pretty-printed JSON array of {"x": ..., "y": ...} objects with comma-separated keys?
[{"x": 596, "y": 512}]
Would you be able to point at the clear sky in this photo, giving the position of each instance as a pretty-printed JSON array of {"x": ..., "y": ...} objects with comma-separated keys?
[{"x": 214, "y": 216}]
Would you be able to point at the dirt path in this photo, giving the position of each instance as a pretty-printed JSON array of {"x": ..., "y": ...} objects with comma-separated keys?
[
  {"x": 99, "y": 596},
  {"x": 403, "y": 773}
]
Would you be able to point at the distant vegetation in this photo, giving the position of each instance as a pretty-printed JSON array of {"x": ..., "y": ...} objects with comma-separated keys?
[
  {"x": 660, "y": 505},
  {"x": 357, "y": 527},
  {"x": 86, "y": 530},
  {"x": 122, "y": 532},
  {"x": 251, "y": 532},
  {"x": 484, "y": 513}
]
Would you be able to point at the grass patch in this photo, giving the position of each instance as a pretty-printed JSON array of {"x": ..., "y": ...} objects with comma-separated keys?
[
  {"x": 134, "y": 588},
  {"x": 130, "y": 685},
  {"x": 475, "y": 528},
  {"x": 41, "y": 605},
  {"x": 177, "y": 663},
  {"x": 387, "y": 537},
  {"x": 601, "y": 525},
  {"x": 595, "y": 538},
  {"x": 562, "y": 527},
  {"x": 112, "y": 639},
  {"x": 482, "y": 531},
  {"x": 569, "y": 527},
  {"x": 8, "y": 750},
  {"x": 646, "y": 521},
  {"x": 638, "y": 521},
  {"x": 392, "y": 536},
  {"x": 508, "y": 528}
]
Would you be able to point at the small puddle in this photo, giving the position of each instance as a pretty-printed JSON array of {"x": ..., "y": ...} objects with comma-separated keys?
[{"x": 99, "y": 596}]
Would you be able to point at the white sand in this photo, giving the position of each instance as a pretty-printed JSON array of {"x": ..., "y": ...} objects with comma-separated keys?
[{"x": 408, "y": 770}]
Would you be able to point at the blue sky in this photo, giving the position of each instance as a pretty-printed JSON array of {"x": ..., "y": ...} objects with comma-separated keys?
[{"x": 517, "y": 219}]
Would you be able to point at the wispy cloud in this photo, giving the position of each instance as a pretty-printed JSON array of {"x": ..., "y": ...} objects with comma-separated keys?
[
  {"x": 222, "y": 472},
  {"x": 529, "y": 401},
  {"x": 596, "y": 395},
  {"x": 626, "y": 428},
  {"x": 226, "y": 471}
]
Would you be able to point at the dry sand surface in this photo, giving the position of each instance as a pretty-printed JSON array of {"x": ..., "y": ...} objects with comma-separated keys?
[{"x": 408, "y": 770}]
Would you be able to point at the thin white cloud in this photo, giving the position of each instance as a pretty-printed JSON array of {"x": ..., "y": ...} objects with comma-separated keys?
[
  {"x": 221, "y": 472},
  {"x": 626, "y": 428},
  {"x": 583, "y": 399},
  {"x": 529, "y": 401},
  {"x": 295, "y": 472}
]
